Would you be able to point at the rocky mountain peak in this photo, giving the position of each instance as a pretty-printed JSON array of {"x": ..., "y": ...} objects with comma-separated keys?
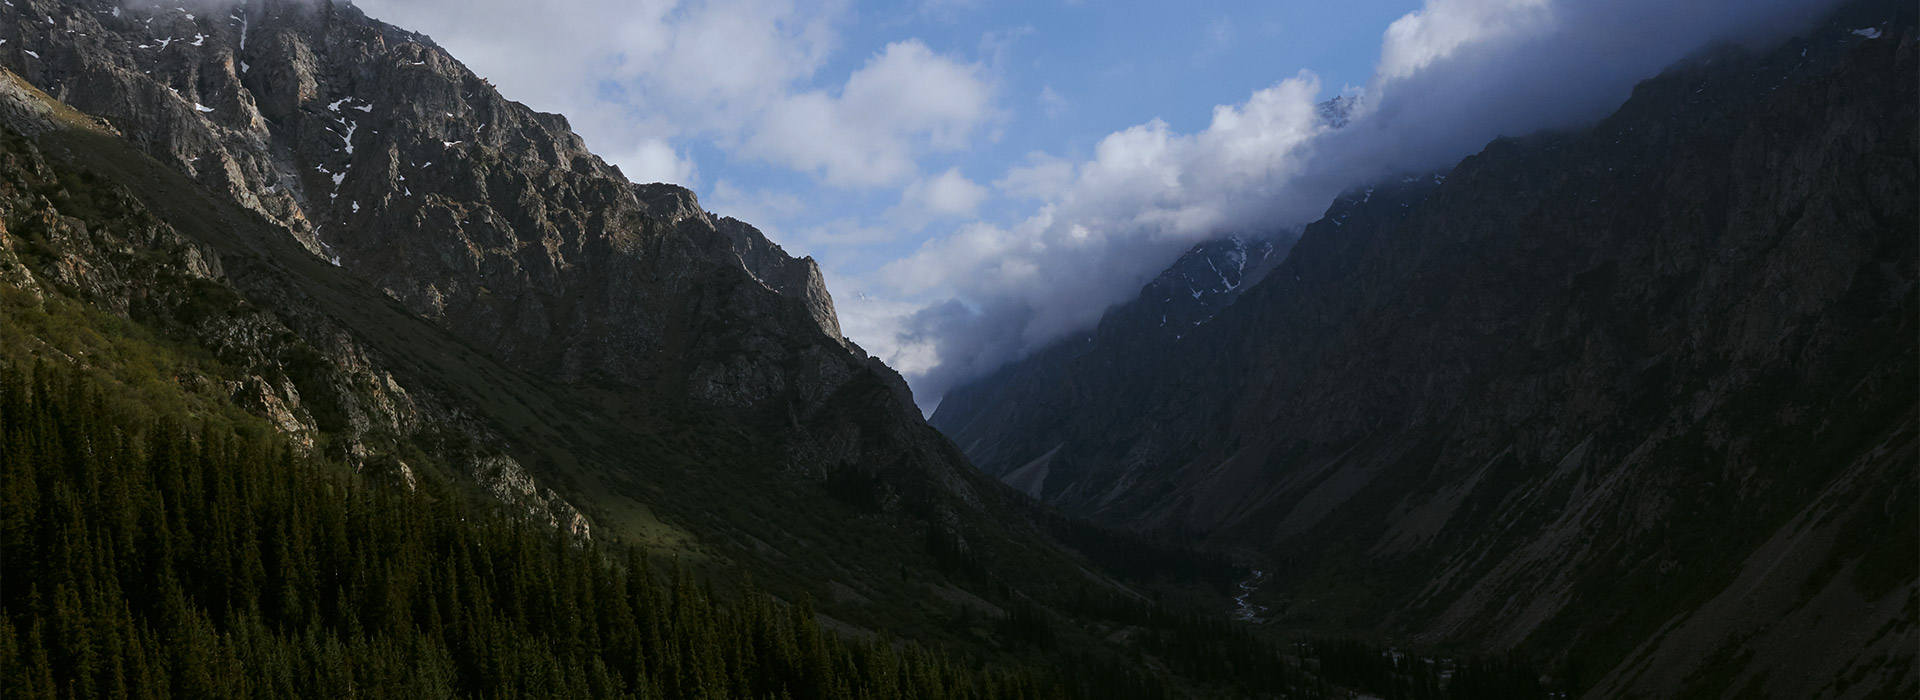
[
  {"x": 1336, "y": 112},
  {"x": 382, "y": 153}
]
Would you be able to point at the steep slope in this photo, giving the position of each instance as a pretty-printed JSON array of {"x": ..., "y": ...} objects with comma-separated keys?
[
  {"x": 384, "y": 154},
  {"x": 1640, "y": 398},
  {"x": 380, "y": 254},
  {"x": 990, "y": 418}
]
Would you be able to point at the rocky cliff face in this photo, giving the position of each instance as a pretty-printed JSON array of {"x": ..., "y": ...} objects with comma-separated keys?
[
  {"x": 376, "y": 150},
  {"x": 427, "y": 278},
  {"x": 382, "y": 153},
  {"x": 1640, "y": 397},
  {"x": 307, "y": 372}
]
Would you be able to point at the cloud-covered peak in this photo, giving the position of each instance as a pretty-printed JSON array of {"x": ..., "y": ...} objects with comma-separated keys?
[{"x": 1450, "y": 77}]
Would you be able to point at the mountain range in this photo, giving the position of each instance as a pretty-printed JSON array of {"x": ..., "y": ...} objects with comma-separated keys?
[
  {"x": 1641, "y": 394},
  {"x": 331, "y": 224},
  {"x": 1621, "y": 411}
]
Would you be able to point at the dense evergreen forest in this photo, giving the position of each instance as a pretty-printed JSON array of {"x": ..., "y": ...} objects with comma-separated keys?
[
  {"x": 152, "y": 561},
  {"x": 144, "y": 558}
]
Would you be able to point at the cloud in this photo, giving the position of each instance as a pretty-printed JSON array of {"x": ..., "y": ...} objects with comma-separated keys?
[
  {"x": 766, "y": 209},
  {"x": 1052, "y": 103},
  {"x": 635, "y": 76},
  {"x": 904, "y": 102},
  {"x": 1423, "y": 36},
  {"x": 1146, "y": 193},
  {"x": 1043, "y": 177},
  {"x": 948, "y": 194},
  {"x": 655, "y": 160},
  {"x": 1451, "y": 76}
]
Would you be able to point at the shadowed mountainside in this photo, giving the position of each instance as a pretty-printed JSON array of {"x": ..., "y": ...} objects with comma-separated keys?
[{"x": 1640, "y": 397}]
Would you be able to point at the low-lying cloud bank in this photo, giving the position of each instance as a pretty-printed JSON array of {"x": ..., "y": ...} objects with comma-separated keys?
[{"x": 1451, "y": 77}]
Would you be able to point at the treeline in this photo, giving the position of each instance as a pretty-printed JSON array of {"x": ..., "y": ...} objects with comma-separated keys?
[
  {"x": 1133, "y": 556},
  {"x": 143, "y": 559},
  {"x": 1398, "y": 676},
  {"x": 140, "y": 558},
  {"x": 1195, "y": 644}
]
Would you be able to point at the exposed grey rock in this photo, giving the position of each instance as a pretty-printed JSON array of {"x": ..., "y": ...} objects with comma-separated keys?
[
  {"x": 375, "y": 150},
  {"x": 382, "y": 153},
  {"x": 302, "y": 370}
]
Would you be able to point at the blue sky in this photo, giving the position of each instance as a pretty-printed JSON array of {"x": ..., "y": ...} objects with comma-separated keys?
[
  {"x": 979, "y": 177},
  {"x": 1063, "y": 76}
]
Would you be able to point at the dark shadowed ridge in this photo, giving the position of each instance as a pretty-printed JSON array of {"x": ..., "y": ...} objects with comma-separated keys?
[{"x": 1640, "y": 395}]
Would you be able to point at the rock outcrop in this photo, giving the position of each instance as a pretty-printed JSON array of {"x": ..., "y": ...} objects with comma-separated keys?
[
  {"x": 382, "y": 153},
  {"x": 432, "y": 282}
]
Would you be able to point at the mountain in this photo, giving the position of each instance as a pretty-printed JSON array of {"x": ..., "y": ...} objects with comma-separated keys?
[
  {"x": 288, "y": 209},
  {"x": 286, "y": 253},
  {"x": 1638, "y": 397},
  {"x": 1204, "y": 280},
  {"x": 370, "y": 147}
]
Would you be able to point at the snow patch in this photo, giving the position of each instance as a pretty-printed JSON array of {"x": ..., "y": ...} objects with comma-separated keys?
[
  {"x": 201, "y": 108},
  {"x": 1869, "y": 32},
  {"x": 348, "y": 137},
  {"x": 29, "y": 53}
]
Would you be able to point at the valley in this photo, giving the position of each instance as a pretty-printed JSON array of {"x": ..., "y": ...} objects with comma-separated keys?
[{"x": 327, "y": 369}]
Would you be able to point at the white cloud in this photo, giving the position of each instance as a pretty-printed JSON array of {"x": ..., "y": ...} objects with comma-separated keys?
[
  {"x": 948, "y": 194},
  {"x": 636, "y": 76},
  {"x": 767, "y": 210},
  {"x": 906, "y": 101},
  {"x": 1451, "y": 76},
  {"x": 1043, "y": 177},
  {"x": 876, "y": 319},
  {"x": 640, "y": 79},
  {"x": 655, "y": 160},
  {"x": 1433, "y": 32},
  {"x": 1146, "y": 192}
]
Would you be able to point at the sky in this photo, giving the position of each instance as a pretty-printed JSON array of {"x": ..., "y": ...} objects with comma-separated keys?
[{"x": 978, "y": 178}]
